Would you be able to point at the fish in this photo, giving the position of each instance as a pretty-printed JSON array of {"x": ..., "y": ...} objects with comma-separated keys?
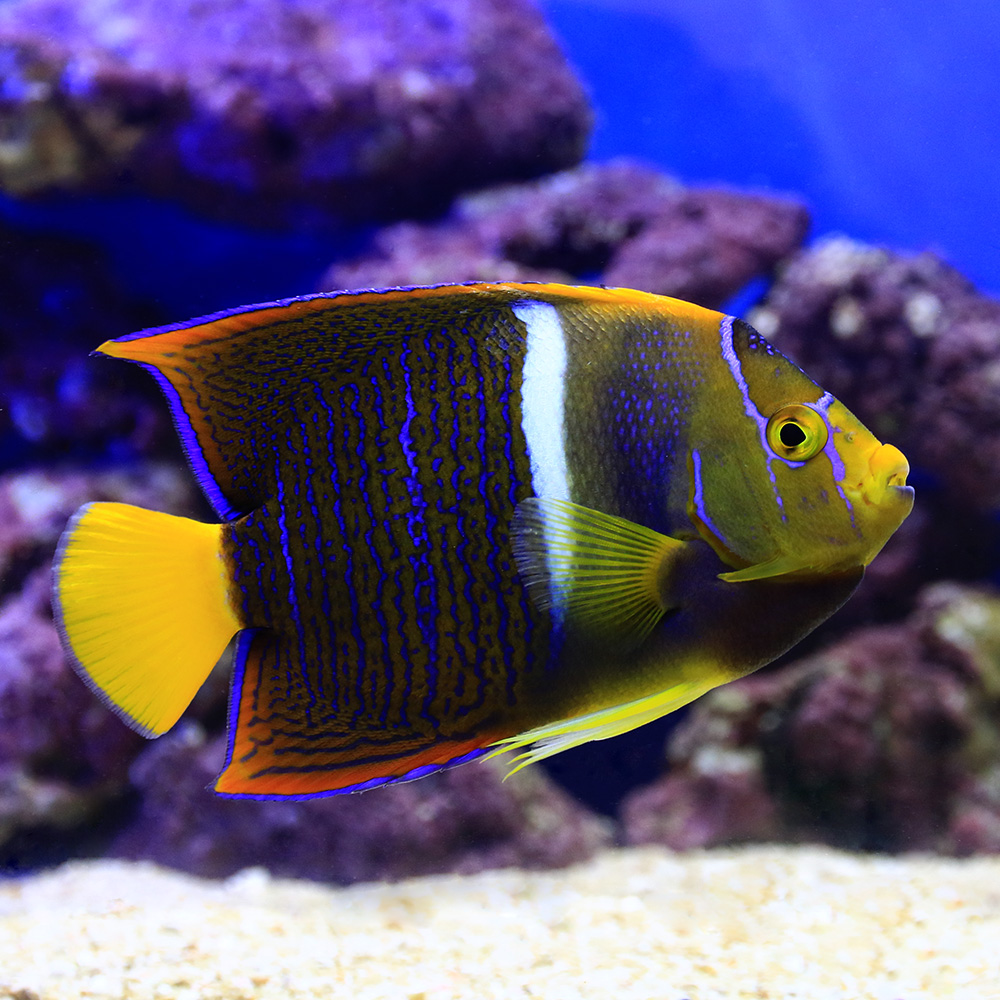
[{"x": 460, "y": 520}]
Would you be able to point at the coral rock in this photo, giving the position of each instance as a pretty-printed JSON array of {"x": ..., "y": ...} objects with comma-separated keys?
[
  {"x": 620, "y": 223},
  {"x": 461, "y": 820},
  {"x": 723, "y": 801},
  {"x": 35, "y": 506},
  {"x": 887, "y": 740},
  {"x": 267, "y": 111},
  {"x": 63, "y": 755}
]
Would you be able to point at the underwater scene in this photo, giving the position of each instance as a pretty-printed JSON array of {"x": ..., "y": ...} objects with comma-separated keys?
[{"x": 499, "y": 499}]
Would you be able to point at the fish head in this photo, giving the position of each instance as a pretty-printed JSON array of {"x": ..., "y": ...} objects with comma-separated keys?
[
  {"x": 784, "y": 479},
  {"x": 833, "y": 496}
]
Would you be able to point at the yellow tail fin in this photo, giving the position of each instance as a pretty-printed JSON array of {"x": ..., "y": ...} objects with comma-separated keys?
[{"x": 143, "y": 605}]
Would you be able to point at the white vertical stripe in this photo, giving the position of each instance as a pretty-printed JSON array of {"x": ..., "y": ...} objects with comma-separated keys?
[{"x": 543, "y": 398}]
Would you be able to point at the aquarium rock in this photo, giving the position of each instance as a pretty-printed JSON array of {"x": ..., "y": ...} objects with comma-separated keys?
[
  {"x": 267, "y": 112},
  {"x": 35, "y": 505},
  {"x": 887, "y": 740},
  {"x": 619, "y": 223},
  {"x": 63, "y": 755},
  {"x": 462, "y": 820}
]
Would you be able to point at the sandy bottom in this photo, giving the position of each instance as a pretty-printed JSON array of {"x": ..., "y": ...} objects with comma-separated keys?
[{"x": 761, "y": 923}]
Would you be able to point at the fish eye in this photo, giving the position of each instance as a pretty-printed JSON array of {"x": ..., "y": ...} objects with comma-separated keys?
[{"x": 796, "y": 432}]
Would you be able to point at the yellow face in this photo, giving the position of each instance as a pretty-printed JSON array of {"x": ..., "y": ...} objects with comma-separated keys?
[
  {"x": 783, "y": 478},
  {"x": 833, "y": 493}
]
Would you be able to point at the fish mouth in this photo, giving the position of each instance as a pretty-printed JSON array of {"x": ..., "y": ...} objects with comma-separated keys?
[
  {"x": 887, "y": 472},
  {"x": 888, "y": 466}
]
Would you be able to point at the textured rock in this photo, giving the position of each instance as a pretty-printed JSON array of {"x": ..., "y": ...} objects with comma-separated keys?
[
  {"x": 274, "y": 111},
  {"x": 35, "y": 506},
  {"x": 619, "y": 223},
  {"x": 63, "y": 755},
  {"x": 462, "y": 820},
  {"x": 887, "y": 740}
]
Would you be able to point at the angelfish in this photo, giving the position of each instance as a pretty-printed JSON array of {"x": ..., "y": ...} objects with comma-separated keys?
[{"x": 468, "y": 518}]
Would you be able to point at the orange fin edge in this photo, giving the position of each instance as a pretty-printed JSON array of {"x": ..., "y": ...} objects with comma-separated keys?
[{"x": 252, "y": 770}]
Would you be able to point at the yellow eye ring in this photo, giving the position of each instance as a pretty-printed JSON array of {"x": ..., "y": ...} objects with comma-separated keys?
[{"x": 796, "y": 432}]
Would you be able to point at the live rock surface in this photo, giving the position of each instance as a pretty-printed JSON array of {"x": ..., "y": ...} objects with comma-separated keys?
[
  {"x": 283, "y": 113},
  {"x": 621, "y": 224}
]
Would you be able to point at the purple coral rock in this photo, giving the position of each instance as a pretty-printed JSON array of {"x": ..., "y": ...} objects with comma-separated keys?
[
  {"x": 462, "y": 820},
  {"x": 621, "y": 223},
  {"x": 887, "y": 740},
  {"x": 275, "y": 111},
  {"x": 35, "y": 506},
  {"x": 63, "y": 755},
  {"x": 723, "y": 801}
]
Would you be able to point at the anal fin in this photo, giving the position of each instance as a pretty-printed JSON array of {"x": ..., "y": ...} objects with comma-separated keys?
[
  {"x": 280, "y": 751},
  {"x": 554, "y": 737}
]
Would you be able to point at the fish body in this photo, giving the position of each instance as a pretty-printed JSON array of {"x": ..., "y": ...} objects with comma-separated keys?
[{"x": 459, "y": 519}]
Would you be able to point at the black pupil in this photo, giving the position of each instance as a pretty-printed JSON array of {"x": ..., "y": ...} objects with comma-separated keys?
[{"x": 791, "y": 435}]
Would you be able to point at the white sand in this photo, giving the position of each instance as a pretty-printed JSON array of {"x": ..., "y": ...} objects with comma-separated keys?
[{"x": 761, "y": 923}]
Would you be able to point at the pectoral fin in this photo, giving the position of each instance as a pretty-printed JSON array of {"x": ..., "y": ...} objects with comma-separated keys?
[
  {"x": 782, "y": 566},
  {"x": 603, "y": 577}
]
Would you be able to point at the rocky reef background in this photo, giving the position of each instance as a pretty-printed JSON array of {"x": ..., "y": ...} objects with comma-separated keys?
[{"x": 422, "y": 142}]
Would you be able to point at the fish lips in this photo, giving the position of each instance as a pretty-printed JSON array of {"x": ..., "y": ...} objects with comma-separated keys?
[{"x": 886, "y": 486}]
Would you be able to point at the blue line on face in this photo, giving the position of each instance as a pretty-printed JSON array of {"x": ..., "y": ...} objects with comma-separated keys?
[
  {"x": 736, "y": 369},
  {"x": 837, "y": 466},
  {"x": 699, "y": 500}
]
